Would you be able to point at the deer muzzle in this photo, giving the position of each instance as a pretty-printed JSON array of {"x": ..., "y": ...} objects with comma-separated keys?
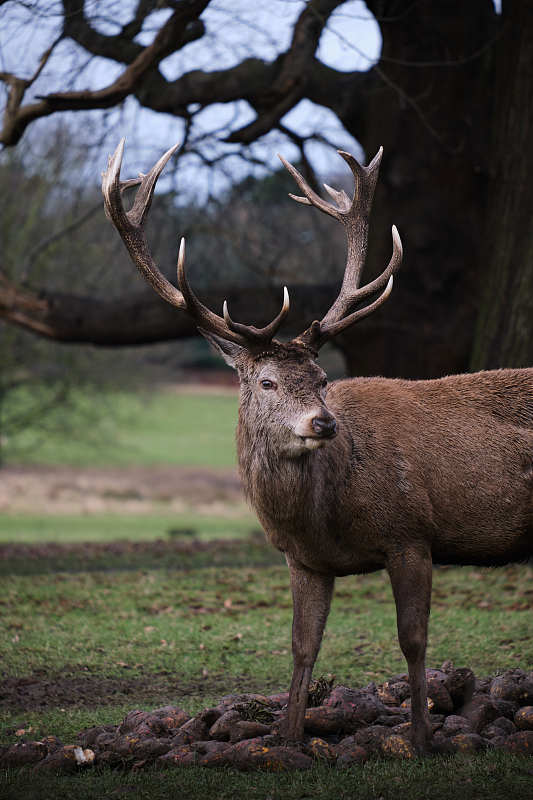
[{"x": 319, "y": 424}]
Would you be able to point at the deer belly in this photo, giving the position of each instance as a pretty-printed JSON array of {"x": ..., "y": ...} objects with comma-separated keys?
[
  {"x": 327, "y": 552},
  {"x": 490, "y": 526}
]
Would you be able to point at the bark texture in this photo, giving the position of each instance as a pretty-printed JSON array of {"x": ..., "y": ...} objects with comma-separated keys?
[{"x": 504, "y": 335}]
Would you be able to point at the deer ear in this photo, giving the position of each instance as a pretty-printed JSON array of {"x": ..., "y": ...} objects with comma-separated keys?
[{"x": 229, "y": 351}]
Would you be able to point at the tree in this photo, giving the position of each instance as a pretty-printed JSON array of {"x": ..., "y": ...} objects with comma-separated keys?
[{"x": 450, "y": 101}]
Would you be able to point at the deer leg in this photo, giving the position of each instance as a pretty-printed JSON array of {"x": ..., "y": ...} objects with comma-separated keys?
[
  {"x": 410, "y": 573},
  {"x": 311, "y": 597}
]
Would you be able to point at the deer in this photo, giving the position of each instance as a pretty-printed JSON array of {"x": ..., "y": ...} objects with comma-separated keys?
[{"x": 365, "y": 473}]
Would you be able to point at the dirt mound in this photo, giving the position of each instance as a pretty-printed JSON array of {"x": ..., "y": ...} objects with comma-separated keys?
[{"x": 351, "y": 725}]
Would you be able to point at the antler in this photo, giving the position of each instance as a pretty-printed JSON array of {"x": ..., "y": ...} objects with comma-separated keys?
[
  {"x": 353, "y": 214},
  {"x": 130, "y": 227}
]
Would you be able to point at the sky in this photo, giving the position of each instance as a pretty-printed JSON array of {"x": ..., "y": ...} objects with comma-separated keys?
[{"x": 235, "y": 29}]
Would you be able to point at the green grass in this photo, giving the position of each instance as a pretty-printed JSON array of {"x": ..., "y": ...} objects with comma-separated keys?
[
  {"x": 129, "y": 428},
  {"x": 102, "y": 642},
  {"x": 492, "y": 776},
  {"x": 97, "y": 527}
]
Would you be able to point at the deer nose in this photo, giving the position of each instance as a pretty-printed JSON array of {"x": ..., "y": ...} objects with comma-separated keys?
[{"x": 324, "y": 426}]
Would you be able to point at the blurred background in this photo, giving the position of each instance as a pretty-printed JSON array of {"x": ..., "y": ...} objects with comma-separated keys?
[{"x": 100, "y": 381}]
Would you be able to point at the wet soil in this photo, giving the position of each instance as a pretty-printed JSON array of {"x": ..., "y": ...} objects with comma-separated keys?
[{"x": 40, "y": 691}]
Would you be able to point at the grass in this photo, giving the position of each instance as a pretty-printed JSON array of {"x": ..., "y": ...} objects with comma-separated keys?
[
  {"x": 129, "y": 428},
  {"x": 104, "y": 527},
  {"x": 99, "y": 643},
  {"x": 487, "y": 777}
]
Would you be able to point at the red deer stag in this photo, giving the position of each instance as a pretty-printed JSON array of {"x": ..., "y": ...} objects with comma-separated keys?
[{"x": 366, "y": 473}]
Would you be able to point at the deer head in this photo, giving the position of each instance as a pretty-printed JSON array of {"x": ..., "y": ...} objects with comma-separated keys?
[{"x": 282, "y": 387}]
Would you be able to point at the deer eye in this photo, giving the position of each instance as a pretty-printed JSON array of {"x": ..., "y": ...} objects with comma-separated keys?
[
  {"x": 324, "y": 383},
  {"x": 267, "y": 384}
]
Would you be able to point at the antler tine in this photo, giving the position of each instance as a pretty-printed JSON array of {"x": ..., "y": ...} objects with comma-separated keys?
[
  {"x": 130, "y": 227},
  {"x": 130, "y": 224},
  {"x": 354, "y": 215},
  {"x": 350, "y": 297},
  {"x": 261, "y": 334},
  {"x": 225, "y": 326},
  {"x": 203, "y": 316}
]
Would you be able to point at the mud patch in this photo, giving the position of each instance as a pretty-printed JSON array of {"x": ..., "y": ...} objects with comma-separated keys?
[
  {"x": 38, "y": 692},
  {"x": 49, "y": 557}
]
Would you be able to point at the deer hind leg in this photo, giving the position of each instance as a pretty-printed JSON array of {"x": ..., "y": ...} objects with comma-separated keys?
[
  {"x": 410, "y": 573},
  {"x": 311, "y": 597}
]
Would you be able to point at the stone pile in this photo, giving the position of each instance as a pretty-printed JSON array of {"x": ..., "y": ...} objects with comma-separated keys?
[{"x": 347, "y": 727}]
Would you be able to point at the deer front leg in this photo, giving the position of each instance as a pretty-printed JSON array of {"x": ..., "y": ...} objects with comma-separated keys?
[
  {"x": 410, "y": 573},
  {"x": 311, "y": 597}
]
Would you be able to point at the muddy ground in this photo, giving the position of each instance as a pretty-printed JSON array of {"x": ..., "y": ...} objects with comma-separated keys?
[{"x": 40, "y": 690}]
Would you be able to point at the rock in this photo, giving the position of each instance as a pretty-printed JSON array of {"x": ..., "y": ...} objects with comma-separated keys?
[
  {"x": 505, "y": 724},
  {"x": 440, "y": 695},
  {"x": 281, "y": 699},
  {"x": 204, "y": 748},
  {"x": 514, "y": 685},
  {"x": 195, "y": 730},
  {"x": 397, "y": 747},
  {"x": 521, "y": 742},
  {"x": 324, "y": 720},
  {"x": 467, "y": 743},
  {"x": 23, "y": 753},
  {"x": 404, "y": 729},
  {"x": 89, "y": 736},
  {"x": 390, "y": 720},
  {"x": 68, "y": 758},
  {"x": 104, "y": 740},
  {"x": 123, "y": 746},
  {"x": 217, "y": 758},
  {"x": 523, "y": 718},
  {"x": 494, "y": 731},
  {"x": 363, "y": 707},
  {"x": 183, "y": 756},
  {"x": 221, "y": 729},
  {"x": 52, "y": 743},
  {"x": 393, "y": 692},
  {"x": 481, "y": 711},
  {"x": 320, "y": 750},
  {"x": 149, "y": 747},
  {"x": 349, "y": 753},
  {"x": 460, "y": 684},
  {"x": 505, "y": 708},
  {"x": 135, "y": 720},
  {"x": 455, "y": 724},
  {"x": 171, "y": 717},
  {"x": 253, "y": 754},
  {"x": 406, "y": 705},
  {"x": 441, "y": 744},
  {"x": 245, "y": 729},
  {"x": 371, "y": 737},
  {"x": 482, "y": 686},
  {"x": 231, "y": 700}
]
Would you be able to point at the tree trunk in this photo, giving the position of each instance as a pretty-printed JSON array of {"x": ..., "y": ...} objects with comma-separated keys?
[
  {"x": 504, "y": 335},
  {"x": 430, "y": 109}
]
